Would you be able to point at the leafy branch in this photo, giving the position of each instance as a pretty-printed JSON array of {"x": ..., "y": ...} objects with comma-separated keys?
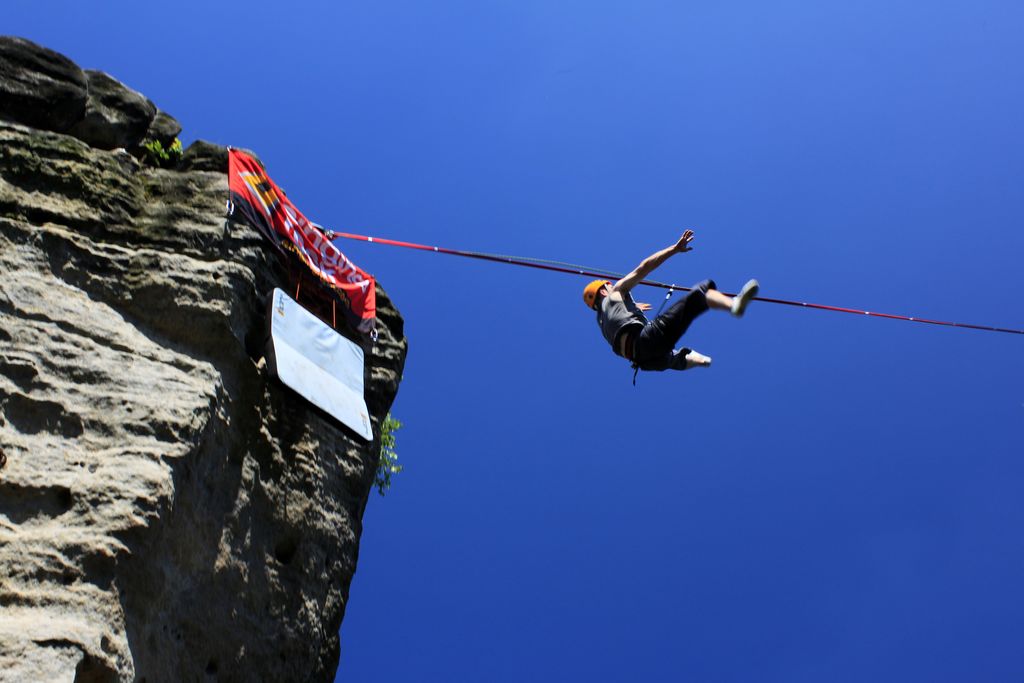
[
  {"x": 388, "y": 462},
  {"x": 161, "y": 156}
]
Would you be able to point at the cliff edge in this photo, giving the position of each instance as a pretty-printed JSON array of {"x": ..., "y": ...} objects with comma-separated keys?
[{"x": 168, "y": 512}]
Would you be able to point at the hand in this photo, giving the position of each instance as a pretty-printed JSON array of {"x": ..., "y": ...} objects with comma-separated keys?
[
  {"x": 683, "y": 244},
  {"x": 642, "y": 306}
]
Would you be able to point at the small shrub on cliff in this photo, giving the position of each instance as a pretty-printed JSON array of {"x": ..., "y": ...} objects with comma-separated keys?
[
  {"x": 388, "y": 463},
  {"x": 160, "y": 156}
]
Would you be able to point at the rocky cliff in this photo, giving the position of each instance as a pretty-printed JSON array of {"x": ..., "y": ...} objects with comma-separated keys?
[{"x": 167, "y": 511}]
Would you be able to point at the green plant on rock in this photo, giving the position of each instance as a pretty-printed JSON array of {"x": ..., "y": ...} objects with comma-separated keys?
[
  {"x": 388, "y": 463},
  {"x": 161, "y": 156}
]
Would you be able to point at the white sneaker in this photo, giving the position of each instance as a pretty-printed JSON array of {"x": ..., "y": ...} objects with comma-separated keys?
[{"x": 739, "y": 303}]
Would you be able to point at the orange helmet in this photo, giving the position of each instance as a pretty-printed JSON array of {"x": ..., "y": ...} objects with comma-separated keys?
[{"x": 591, "y": 290}]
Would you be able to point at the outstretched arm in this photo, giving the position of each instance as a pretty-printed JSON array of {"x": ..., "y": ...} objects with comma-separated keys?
[{"x": 648, "y": 265}]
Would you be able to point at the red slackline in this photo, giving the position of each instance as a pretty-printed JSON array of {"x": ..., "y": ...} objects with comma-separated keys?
[{"x": 561, "y": 267}]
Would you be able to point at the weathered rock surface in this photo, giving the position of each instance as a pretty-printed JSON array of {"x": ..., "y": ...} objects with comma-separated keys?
[
  {"x": 167, "y": 512},
  {"x": 46, "y": 90},
  {"x": 163, "y": 128},
  {"x": 115, "y": 115},
  {"x": 39, "y": 87}
]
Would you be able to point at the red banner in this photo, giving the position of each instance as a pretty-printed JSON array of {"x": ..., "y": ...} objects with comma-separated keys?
[{"x": 268, "y": 210}]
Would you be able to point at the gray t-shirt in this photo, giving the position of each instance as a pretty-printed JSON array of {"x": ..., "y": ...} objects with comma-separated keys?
[{"x": 615, "y": 316}]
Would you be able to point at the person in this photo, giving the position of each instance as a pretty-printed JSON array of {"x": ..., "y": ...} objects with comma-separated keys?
[{"x": 650, "y": 345}]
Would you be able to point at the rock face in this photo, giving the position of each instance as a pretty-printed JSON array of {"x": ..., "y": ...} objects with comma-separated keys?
[
  {"x": 167, "y": 511},
  {"x": 115, "y": 115},
  {"x": 39, "y": 87}
]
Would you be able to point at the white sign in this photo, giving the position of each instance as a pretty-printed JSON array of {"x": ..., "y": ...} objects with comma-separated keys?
[{"x": 318, "y": 363}]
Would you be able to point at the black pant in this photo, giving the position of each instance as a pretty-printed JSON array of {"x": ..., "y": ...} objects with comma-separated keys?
[{"x": 654, "y": 346}]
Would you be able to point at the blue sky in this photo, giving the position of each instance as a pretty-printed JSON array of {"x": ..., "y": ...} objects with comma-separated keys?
[{"x": 837, "y": 498}]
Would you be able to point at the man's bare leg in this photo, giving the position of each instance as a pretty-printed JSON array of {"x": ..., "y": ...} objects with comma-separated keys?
[
  {"x": 697, "y": 360},
  {"x": 737, "y": 306},
  {"x": 718, "y": 300}
]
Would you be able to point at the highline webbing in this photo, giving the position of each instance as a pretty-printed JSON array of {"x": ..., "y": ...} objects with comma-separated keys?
[{"x": 588, "y": 271}]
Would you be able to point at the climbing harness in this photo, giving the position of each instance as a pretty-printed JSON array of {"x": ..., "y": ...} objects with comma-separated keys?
[
  {"x": 668, "y": 295},
  {"x": 575, "y": 269}
]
